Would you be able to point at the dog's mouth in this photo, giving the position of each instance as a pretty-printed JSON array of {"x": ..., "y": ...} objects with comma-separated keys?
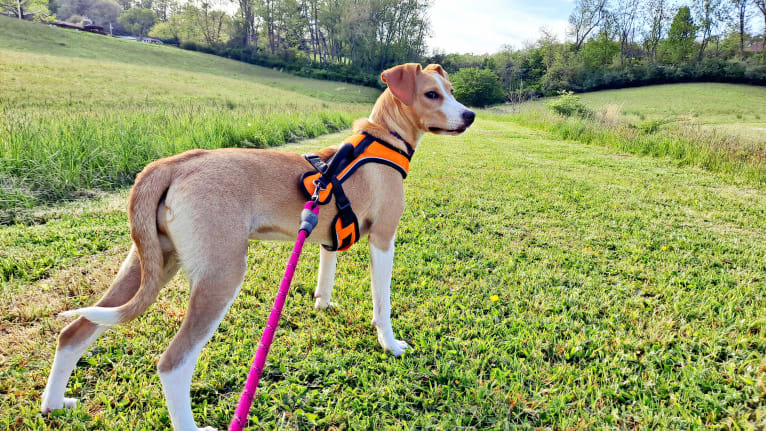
[{"x": 439, "y": 130}]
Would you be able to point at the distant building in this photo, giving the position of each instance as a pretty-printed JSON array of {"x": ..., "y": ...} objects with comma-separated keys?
[
  {"x": 754, "y": 47},
  {"x": 144, "y": 39}
]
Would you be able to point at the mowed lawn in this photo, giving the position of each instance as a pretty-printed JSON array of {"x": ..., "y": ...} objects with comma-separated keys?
[{"x": 541, "y": 283}]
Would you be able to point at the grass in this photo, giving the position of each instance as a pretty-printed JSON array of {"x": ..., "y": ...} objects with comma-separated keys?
[
  {"x": 731, "y": 108},
  {"x": 542, "y": 284},
  {"x": 40, "y": 39},
  {"x": 70, "y": 124},
  {"x": 713, "y": 126}
]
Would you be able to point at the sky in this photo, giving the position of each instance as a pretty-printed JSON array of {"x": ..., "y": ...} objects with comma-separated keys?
[{"x": 484, "y": 26}]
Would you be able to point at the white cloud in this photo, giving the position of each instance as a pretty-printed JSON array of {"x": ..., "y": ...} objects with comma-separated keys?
[{"x": 483, "y": 26}]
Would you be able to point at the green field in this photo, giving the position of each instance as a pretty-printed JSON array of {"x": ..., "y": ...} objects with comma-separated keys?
[
  {"x": 630, "y": 294},
  {"x": 89, "y": 114},
  {"x": 543, "y": 283},
  {"x": 730, "y": 108},
  {"x": 718, "y": 127}
]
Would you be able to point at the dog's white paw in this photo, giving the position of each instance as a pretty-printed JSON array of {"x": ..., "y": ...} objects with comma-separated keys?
[
  {"x": 67, "y": 403},
  {"x": 323, "y": 304},
  {"x": 397, "y": 347}
]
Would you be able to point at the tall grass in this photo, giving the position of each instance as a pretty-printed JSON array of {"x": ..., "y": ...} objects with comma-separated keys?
[
  {"x": 69, "y": 126},
  {"x": 45, "y": 159},
  {"x": 688, "y": 145}
]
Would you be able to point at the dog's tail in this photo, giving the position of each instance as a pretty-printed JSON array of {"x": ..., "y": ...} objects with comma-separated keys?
[{"x": 150, "y": 187}]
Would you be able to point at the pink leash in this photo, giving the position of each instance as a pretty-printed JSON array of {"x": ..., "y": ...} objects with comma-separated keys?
[{"x": 308, "y": 221}]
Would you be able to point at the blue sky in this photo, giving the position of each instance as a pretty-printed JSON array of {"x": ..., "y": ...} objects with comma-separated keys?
[{"x": 483, "y": 26}]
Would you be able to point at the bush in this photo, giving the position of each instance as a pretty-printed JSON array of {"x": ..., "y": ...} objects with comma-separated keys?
[
  {"x": 569, "y": 105},
  {"x": 477, "y": 87}
]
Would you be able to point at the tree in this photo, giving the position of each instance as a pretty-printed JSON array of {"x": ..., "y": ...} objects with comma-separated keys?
[
  {"x": 20, "y": 8},
  {"x": 586, "y": 17},
  {"x": 680, "y": 43},
  {"x": 762, "y": 7},
  {"x": 100, "y": 12},
  {"x": 740, "y": 18},
  {"x": 477, "y": 87},
  {"x": 657, "y": 16},
  {"x": 138, "y": 21},
  {"x": 625, "y": 18},
  {"x": 710, "y": 14}
]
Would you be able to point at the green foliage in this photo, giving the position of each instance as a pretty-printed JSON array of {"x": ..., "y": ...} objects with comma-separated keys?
[
  {"x": 568, "y": 104},
  {"x": 101, "y": 12},
  {"x": 138, "y": 21},
  {"x": 599, "y": 52},
  {"x": 680, "y": 45},
  {"x": 477, "y": 87}
]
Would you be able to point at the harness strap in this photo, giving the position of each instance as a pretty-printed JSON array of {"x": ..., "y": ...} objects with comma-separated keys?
[{"x": 367, "y": 149}]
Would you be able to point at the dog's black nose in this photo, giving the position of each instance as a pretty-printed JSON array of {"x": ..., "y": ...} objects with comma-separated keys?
[{"x": 468, "y": 117}]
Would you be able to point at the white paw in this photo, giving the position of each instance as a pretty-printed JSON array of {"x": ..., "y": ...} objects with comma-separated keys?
[
  {"x": 47, "y": 407},
  {"x": 322, "y": 304},
  {"x": 397, "y": 347},
  {"x": 207, "y": 429}
]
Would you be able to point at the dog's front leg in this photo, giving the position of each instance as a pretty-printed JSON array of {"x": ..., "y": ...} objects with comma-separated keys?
[
  {"x": 382, "y": 264},
  {"x": 326, "y": 279}
]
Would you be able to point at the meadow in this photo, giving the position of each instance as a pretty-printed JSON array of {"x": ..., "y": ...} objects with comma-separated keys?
[
  {"x": 718, "y": 127},
  {"x": 543, "y": 283},
  {"x": 74, "y": 124}
]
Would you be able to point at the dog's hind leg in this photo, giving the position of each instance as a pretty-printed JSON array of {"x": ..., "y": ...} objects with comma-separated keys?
[
  {"x": 215, "y": 278},
  {"x": 326, "y": 279},
  {"x": 76, "y": 337}
]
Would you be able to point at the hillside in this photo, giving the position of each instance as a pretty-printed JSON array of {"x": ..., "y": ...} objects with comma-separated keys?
[
  {"x": 29, "y": 37},
  {"x": 84, "y": 112}
]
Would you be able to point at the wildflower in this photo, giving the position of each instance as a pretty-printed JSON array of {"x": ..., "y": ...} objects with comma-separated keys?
[
  {"x": 494, "y": 298},
  {"x": 664, "y": 248}
]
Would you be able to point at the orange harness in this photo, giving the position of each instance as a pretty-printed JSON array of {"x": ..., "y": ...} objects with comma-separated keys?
[{"x": 367, "y": 149}]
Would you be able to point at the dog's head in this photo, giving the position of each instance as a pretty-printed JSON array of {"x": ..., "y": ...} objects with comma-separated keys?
[{"x": 428, "y": 95}]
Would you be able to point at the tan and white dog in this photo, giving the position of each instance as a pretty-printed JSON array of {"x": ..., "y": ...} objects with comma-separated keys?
[{"x": 199, "y": 209}]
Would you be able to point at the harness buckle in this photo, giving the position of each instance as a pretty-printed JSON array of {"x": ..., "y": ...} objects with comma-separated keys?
[{"x": 318, "y": 188}]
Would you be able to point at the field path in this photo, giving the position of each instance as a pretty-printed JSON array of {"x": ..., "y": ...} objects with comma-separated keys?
[{"x": 542, "y": 283}]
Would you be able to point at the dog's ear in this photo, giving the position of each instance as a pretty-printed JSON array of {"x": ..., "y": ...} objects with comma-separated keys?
[
  {"x": 401, "y": 81},
  {"x": 438, "y": 69}
]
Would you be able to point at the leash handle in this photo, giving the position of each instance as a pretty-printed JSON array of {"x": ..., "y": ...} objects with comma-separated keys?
[{"x": 239, "y": 420}]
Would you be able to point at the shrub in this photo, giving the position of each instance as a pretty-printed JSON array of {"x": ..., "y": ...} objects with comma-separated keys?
[
  {"x": 477, "y": 87},
  {"x": 568, "y": 104}
]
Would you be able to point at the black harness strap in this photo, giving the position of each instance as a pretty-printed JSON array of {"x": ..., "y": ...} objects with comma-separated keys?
[{"x": 326, "y": 181}]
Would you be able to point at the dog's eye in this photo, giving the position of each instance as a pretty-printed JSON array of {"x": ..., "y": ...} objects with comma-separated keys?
[{"x": 432, "y": 95}]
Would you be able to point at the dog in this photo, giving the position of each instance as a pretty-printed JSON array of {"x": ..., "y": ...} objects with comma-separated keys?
[{"x": 200, "y": 208}]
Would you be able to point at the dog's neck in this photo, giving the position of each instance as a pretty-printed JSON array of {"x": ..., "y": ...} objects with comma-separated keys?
[{"x": 388, "y": 119}]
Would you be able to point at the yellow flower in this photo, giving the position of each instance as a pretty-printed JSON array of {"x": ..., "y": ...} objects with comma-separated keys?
[
  {"x": 595, "y": 254},
  {"x": 494, "y": 298},
  {"x": 664, "y": 248}
]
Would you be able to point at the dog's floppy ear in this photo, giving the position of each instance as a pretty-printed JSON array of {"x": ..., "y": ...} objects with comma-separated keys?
[
  {"x": 401, "y": 81},
  {"x": 438, "y": 69}
]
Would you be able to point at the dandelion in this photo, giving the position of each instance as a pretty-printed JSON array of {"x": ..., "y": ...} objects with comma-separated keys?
[
  {"x": 494, "y": 298},
  {"x": 595, "y": 254},
  {"x": 664, "y": 248},
  {"x": 614, "y": 207}
]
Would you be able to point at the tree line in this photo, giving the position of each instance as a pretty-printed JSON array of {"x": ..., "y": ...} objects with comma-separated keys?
[
  {"x": 620, "y": 43},
  {"x": 609, "y": 44}
]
